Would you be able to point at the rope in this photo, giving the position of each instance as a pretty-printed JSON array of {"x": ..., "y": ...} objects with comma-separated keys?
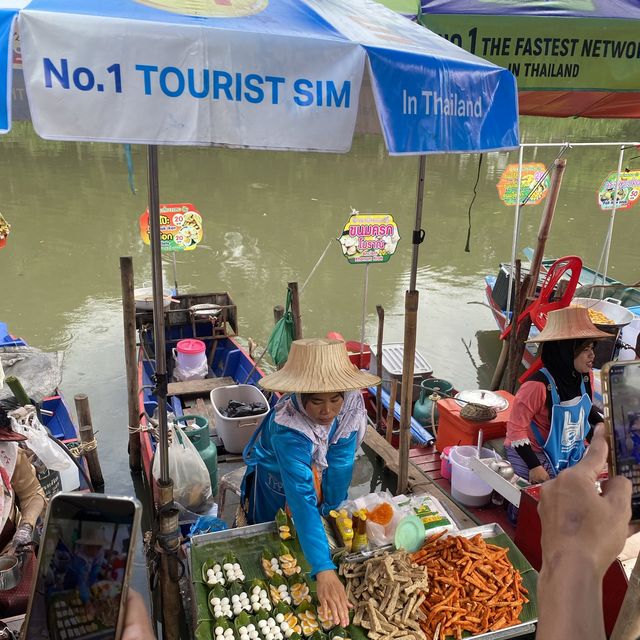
[
  {"x": 84, "y": 447},
  {"x": 324, "y": 253}
]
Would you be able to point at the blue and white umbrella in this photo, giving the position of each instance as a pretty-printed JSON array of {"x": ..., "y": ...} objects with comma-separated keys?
[{"x": 263, "y": 74}]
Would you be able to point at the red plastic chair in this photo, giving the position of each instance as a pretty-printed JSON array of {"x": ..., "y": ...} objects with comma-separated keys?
[{"x": 540, "y": 307}]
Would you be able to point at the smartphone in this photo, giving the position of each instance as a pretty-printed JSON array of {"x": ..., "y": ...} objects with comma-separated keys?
[
  {"x": 86, "y": 553},
  {"x": 621, "y": 391}
]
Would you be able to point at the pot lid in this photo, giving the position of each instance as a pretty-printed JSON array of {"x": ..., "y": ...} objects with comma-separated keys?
[{"x": 485, "y": 398}]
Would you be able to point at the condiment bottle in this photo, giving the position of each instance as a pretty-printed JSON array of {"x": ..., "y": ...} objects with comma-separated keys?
[{"x": 360, "y": 540}]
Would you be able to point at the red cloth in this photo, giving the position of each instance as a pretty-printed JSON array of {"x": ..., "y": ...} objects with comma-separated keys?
[{"x": 529, "y": 404}]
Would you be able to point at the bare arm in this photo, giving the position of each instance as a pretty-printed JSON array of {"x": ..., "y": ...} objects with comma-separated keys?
[{"x": 582, "y": 533}]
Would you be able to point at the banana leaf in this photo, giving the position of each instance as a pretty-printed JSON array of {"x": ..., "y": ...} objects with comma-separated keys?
[
  {"x": 356, "y": 633},
  {"x": 248, "y": 551},
  {"x": 318, "y": 635},
  {"x": 286, "y": 529},
  {"x": 236, "y": 588},
  {"x": 304, "y": 607},
  {"x": 243, "y": 620},
  {"x": 339, "y": 632},
  {"x": 295, "y": 636},
  {"x": 204, "y": 630}
]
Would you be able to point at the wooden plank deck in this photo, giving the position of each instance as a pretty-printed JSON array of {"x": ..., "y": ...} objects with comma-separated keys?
[
  {"x": 197, "y": 387},
  {"x": 424, "y": 475}
]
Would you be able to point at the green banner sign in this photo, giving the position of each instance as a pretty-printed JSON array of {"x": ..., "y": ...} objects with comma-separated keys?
[{"x": 553, "y": 54}]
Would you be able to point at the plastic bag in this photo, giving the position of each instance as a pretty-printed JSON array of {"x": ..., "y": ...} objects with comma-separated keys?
[
  {"x": 181, "y": 374},
  {"x": 282, "y": 336},
  {"x": 378, "y": 535},
  {"x": 50, "y": 454},
  {"x": 191, "y": 481}
]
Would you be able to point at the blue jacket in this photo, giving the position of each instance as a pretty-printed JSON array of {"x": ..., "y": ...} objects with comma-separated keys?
[{"x": 279, "y": 473}]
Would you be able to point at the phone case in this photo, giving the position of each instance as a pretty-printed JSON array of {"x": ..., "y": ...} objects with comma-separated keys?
[{"x": 135, "y": 527}]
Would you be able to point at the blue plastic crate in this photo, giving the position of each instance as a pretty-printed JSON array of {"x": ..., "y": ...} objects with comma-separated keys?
[{"x": 59, "y": 424}]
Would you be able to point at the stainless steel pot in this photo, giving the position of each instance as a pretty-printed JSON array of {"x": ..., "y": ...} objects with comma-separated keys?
[{"x": 10, "y": 572}]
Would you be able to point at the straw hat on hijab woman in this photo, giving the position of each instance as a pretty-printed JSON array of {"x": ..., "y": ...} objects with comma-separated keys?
[
  {"x": 553, "y": 411},
  {"x": 302, "y": 456}
]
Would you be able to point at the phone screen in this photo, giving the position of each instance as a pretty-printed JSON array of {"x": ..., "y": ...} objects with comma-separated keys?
[
  {"x": 82, "y": 568},
  {"x": 624, "y": 388}
]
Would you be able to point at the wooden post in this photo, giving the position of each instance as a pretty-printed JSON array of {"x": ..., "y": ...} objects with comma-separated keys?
[
  {"x": 87, "y": 438},
  {"x": 627, "y": 625},
  {"x": 295, "y": 309},
  {"x": 406, "y": 398},
  {"x": 278, "y": 312},
  {"x": 380, "y": 311},
  {"x": 393, "y": 395},
  {"x": 543, "y": 233},
  {"x": 131, "y": 364},
  {"x": 545, "y": 224}
]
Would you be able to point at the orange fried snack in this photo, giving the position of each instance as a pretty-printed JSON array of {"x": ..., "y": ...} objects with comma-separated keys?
[{"x": 472, "y": 587}]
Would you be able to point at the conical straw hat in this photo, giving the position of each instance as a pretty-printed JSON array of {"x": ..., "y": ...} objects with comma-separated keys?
[
  {"x": 571, "y": 323},
  {"x": 318, "y": 365}
]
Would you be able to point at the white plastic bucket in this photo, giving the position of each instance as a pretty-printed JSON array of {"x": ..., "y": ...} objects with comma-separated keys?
[
  {"x": 236, "y": 432},
  {"x": 466, "y": 486},
  {"x": 190, "y": 354}
]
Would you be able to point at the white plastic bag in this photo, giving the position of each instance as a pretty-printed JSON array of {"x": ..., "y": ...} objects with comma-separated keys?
[
  {"x": 191, "y": 481},
  {"x": 50, "y": 454}
]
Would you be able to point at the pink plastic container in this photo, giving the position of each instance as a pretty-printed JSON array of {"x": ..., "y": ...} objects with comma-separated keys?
[
  {"x": 190, "y": 353},
  {"x": 445, "y": 464}
]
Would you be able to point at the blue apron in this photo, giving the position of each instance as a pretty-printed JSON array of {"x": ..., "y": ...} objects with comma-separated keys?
[{"x": 569, "y": 425}]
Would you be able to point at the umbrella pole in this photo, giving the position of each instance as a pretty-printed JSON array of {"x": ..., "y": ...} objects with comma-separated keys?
[
  {"x": 612, "y": 219},
  {"x": 169, "y": 531},
  {"x": 410, "y": 330}
]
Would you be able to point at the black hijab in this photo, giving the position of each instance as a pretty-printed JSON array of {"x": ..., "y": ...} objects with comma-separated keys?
[{"x": 557, "y": 357}]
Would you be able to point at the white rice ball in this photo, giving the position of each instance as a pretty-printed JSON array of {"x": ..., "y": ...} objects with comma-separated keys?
[
  {"x": 288, "y": 633},
  {"x": 227, "y": 566},
  {"x": 256, "y": 606},
  {"x": 228, "y": 633},
  {"x": 284, "y": 625},
  {"x": 219, "y": 631}
]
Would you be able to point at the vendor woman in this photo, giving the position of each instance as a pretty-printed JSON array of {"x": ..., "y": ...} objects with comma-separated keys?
[
  {"x": 553, "y": 412},
  {"x": 302, "y": 456}
]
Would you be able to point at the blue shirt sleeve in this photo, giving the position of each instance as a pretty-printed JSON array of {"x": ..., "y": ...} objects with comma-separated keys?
[
  {"x": 293, "y": 451},
  {"x": 337, "y": 476}
]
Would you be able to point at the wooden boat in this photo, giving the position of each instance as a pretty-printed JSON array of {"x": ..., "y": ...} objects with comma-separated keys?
[{"x": 211, "y": 318}]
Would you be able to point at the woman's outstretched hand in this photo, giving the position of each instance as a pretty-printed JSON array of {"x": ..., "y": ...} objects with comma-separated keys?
[{"x": 333, "y": 597}]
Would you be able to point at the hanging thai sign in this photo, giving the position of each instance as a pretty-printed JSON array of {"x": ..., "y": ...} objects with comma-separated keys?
[
  {"x": 628, "y": 190},
  {"x": 180, "y": 227},
  {"x": 369, "y": 237},
  {"x": 534, "y": 184}
]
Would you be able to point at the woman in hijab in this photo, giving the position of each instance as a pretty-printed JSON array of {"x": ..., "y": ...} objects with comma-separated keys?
[
  {"x": 302, "y": 456},
  {"x": 553, "y": 411}
]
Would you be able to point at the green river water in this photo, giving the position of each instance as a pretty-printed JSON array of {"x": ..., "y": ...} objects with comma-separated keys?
[{"x": 267, "y": 219}]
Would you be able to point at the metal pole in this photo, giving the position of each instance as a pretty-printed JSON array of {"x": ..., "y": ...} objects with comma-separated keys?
[
  {"x": 516, "y": 233},
  {"x": 406, "y": 396},
  {"x": 418, "y": 233},
  {"x": 364, "y": 312},
  {"x": 175, "y": 272},
  {"x": 158, "y": 312},
  {"x": 613, "y": 217}
]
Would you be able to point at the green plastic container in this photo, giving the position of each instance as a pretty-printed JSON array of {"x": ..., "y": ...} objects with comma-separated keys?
[
  {"x": 202, "y": 441},
  {"x": 423, "y": 406}
]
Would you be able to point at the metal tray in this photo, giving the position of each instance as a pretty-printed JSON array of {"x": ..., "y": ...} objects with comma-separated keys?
[
  {"x": 232, "y": 534},
  {"x": 486, "y": 531}
]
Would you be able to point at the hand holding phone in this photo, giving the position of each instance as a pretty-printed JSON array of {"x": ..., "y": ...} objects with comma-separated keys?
[
  {"x": 81, "y": 582},
  {"x": 621, "y": 391}
]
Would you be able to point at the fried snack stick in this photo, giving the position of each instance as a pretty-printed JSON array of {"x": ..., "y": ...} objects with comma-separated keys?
[{"x": 473, "y": 587}]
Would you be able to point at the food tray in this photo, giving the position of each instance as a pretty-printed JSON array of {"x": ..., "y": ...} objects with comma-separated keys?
[
  {"x": 494, "y": 534},
  {"x": 247, "y": 544}
]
